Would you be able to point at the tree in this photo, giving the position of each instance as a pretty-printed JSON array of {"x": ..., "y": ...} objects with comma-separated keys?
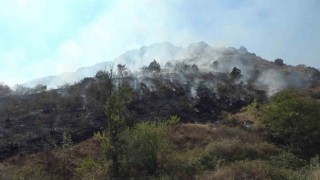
[
  {"x": 294, "y": 121},
  {"x": 279, "y": 62},
  {"x": 40, "y": 88},
  {"x": 154, "y": 66},
  {"x": 115, "y": 112},
  {"x": 4, "y": 89},
  {"x": 122, "y": 71},
  {"x": 99, "y": 91},
  {"x": 195, "y": 68},
  {"x": 236, "y": 73}
]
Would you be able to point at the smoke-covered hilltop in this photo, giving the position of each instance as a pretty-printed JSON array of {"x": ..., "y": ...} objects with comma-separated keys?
[
  {"x": 265, "y": 75},
  {"x": 68, "y": 77}
]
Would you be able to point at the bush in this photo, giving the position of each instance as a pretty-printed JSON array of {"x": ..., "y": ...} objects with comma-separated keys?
[
  {"x": 29, "y": 173},
  {"x": 186, "y": 165},
  {"x": 294, "y": 120},
  {"x": 88, "y": 168},
  {"x": 233, "y": 150},
  {"x": 259, "y": 170},
  {"x": 221, "y": 153},
  {"x": 173, "y": 120},
  {"x": 149, "y": 147},
  {"x": 287, "y": 160}
]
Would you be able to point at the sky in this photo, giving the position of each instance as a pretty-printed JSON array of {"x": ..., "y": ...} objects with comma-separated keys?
[{"x": 48, "y": 37}]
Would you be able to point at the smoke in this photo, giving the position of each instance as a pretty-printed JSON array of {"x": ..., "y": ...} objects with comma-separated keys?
[
  {"x": 197, "y": 65},
  {"x": 262, "y": 74},
  {"x": 272, "y": 81}
]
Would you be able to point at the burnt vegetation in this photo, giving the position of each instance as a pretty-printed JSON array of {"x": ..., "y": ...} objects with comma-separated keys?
[{"x": 177, "y": 121}]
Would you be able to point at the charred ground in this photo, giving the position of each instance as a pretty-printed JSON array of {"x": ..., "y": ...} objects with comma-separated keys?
[{"x": 191, "y": 88}]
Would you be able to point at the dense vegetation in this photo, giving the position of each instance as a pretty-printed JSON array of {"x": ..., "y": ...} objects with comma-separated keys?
[{"x": 245, "y": 135}]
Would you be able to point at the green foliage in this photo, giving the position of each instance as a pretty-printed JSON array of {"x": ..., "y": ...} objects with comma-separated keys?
[
  {"x": 100, "y": 90},
  {"x": 115, "y": 111},
  {"x": 66, "y": 141},
  {"x": 192, "y": 162},
  {"x": 29, "y": 173},
  {"x": 251, "y": 108},
  {"x": 173, "y": 120},
  {"x": 221, "y": 153},
  {"x": 89, "y": 169},
  {"x": 259, "y": 170},
  {"x": 233, "y": 150},
  {"x": 142, "y": 150},
  {"x": 65, "y": 164},
  {"x": 104, "y": 140},
  {"x": 286, "y": 160},
  {"x": 294, "y": 120},
  {"x": 154, "y": 66},
  {"x": 149, "y": 147}
]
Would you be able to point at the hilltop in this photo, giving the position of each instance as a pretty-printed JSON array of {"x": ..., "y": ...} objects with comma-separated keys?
[{"x": 200, "y": 54}]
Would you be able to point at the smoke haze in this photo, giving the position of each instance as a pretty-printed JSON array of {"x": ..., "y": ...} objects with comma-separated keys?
[{"x": 36, "y": 41}]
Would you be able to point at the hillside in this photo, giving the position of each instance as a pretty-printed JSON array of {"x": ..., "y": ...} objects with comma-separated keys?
[{"x": 209, "y": 111}]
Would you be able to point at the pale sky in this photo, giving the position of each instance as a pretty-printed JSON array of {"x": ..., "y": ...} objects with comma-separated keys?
[{"x": 48, "y": 37}]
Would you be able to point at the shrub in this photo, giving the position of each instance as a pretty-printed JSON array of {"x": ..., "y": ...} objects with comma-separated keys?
[
  {"x": 286, "y": 160},
  {"x": 187, "y": 164},
  {"x": 233, "y": 150},
  {"x": 88, "y": 168},
  {"x": 29, "y": 173},
  {"x": 220, "y": 153},
  {"x": 174, "y": 120},
  {"x": 149, "y": 147},
  {"x": 259, "y": 170},
  {"x": 294, "y": 120}
]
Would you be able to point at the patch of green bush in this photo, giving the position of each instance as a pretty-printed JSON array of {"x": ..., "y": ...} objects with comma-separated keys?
[
  {"x": 221, "y": 153},
  {"x": 287, "y": 160},
  {"x": 294, "y": 120},
  {"x": 88, "y": 168},
  {"x": 149, "y": 147},
  {"x": 257, "y": 169}
]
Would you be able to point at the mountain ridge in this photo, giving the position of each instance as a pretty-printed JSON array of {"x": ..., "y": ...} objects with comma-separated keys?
[{"x": 201, "y": 54}]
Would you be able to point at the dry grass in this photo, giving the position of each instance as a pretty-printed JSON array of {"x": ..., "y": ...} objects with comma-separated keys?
[
  {"x": 89, "y": 148},
  {"x": 258, "y": 170},
  {"x": 243, "y": 117},
  {"x": 315, "y": 175},
  {"x": 189, "y": 136},
  {"x": 6, "y": 171},
  {"x": 48, "y": 162}
]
